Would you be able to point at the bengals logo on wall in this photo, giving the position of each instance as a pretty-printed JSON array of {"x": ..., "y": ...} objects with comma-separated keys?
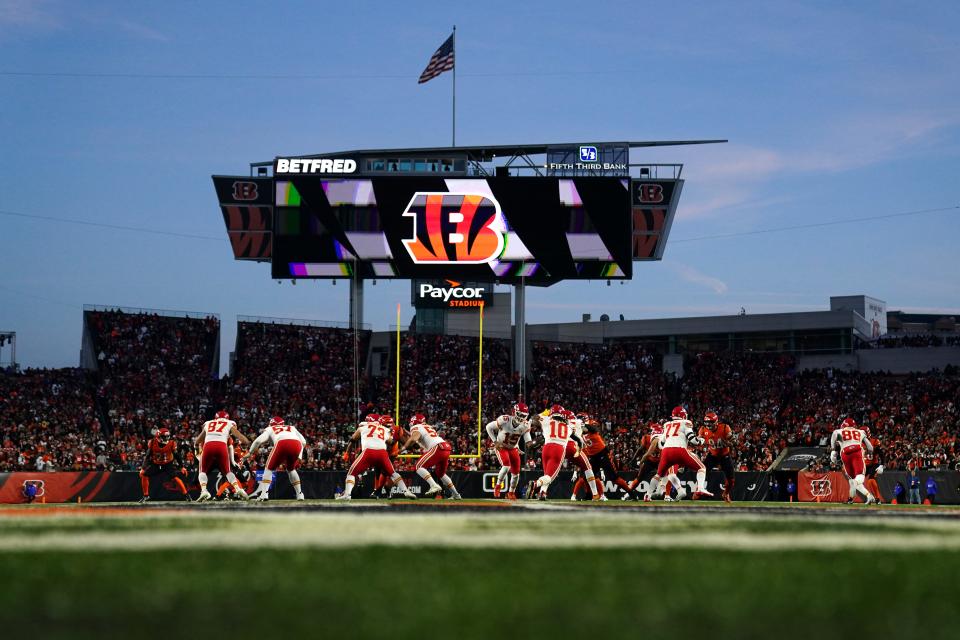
[
  {"x": 454, "y": 228},
  {"x": 245, "y": 191}
]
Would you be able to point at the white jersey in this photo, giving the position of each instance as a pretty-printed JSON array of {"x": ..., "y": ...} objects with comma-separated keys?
[
  {"x": 677, "y": 433},
  {"x": 278, "y": 433},
  {"x": 428, "y": 436},
  {"x": 218, "y": 430},
  {"x": 576, "y": 428},
  {"x": 508, "y": 432},
  {"x": 849, "y": 438},
  {"x": 373, "y": 435},
  {"x": 555, "y": 431}
]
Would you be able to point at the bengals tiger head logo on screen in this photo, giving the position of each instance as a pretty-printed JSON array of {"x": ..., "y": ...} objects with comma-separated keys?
[{"x": 454, "y": 228}]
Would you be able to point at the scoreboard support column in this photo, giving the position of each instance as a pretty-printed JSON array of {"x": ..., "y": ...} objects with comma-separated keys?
[
  {"x": 520, "y": 334},
  {"x": 356, "y": 303}
]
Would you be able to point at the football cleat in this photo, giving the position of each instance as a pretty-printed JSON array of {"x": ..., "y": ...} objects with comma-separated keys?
[
  {"x": 341, "y": 496},
  {"x": 871, "y": 499},
  {"x": 456, "y": 496},
  {"x": 726, "y": 497},
  {"x": 542, "y": 496},
  {"x": 603, "y": 498},
  {"x": 667, "y": 498},
  {"x": 647, "y": 497},
  {"x": 573, "y": 497},
  {"x": 241, "y": 494},
  {"x": 300, "y": 497},
  {"x": 204, "y": 496},
  {"x": 187, "y": 498},
  {"x": 432, "y": 491},
  {"x": 409, "y": 495},
  {"x": 263, "y": 497},
  {"x": 496, "y": 491},
  {"x": 698, "y": 494},
  {"x": 682, "y": 493},
  {"x": 143, "y": 500},
  {"x": 511, "y": 495}
]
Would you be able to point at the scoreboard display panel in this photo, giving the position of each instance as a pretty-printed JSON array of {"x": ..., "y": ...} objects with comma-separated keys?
[{"x": 543, "y": 229}]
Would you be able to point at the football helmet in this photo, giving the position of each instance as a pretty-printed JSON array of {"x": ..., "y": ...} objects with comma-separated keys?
[
  {"x": 711, "y": 418},
  {"x": 418, "y": 418},
  {"x": 679, "y": 412},
  {"x": 372, "y": 417},
  {"x": 223, "y": 415},
  {"x": 276, "y": 421},
  {"x": 386, "y": 420},
  {"x": 163, "y": 435},
  {"x": 848, "y": 423},
  {"x": 556, "y": 411},
  {"x": 569, "y": 415},
  {"x": 521, "y": 411}
]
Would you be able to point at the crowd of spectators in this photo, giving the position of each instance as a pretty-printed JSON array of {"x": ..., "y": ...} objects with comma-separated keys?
[
  {"x": 48, "y": 421},
  {"x": 303, "y": 373},
  {"x": 438, "y": 378},
  {"x": 154, "y": 370},
  {"x": 894, "y": 341}
]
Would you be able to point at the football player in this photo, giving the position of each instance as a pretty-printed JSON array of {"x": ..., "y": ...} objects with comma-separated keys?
[
  {"x": 436, "y": 456},
  {"x": 505, "y": 432},
  {"x": 574, "y": 453},
  {"x": 374, "y": 438},
  {"x": 288, "y": 445},
  {"x": 212, "y": 442},
  {"x": 381, "y": 483},
  {"x": 717, "y": 436},
  {"x": 874, "y": 462},
  {"x": 599, "y": 455},
  {"x": 556, "y": 433},
  {"x": 851, "y": 441},
  {"x": 674, "y": 443},
  {"x": 650, "y": 464},
  {"x": 162, "y": 459}
]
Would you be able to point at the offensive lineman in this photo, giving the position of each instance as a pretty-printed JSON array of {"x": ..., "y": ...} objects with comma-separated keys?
[
  {"x": 648, "y": 467},
  {"x": 436, "y": 456},
  {"x": 675, "y": 443},
  {"x": 574, "y": 453},
  {"x": 851, "y": 441},
  {"x": 374, "y": 439},
  {"x": 505, "y": 432},
  {"x": 288, "y": 445},
  {"x": 214, "y": 455}
]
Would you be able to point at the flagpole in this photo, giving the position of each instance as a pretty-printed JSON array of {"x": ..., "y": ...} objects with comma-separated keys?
[{"x": 454, "y": 86}]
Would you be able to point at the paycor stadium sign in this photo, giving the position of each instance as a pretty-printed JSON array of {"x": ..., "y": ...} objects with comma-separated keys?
[{"x": 450, "y": 294}]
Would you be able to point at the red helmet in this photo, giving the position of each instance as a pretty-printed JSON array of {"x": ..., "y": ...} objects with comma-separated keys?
[
  {"x": 679, "y": 412},
  {"x": 866, "y": 430},
  {"x": 372, "y": 417},
  {"x": 418, "y": 418},
  {"x": 386, "y": 420},
  {"x": 521, "y": 411},
  {"x": 276, "y": 421},
  {"x": 556, "y": 411},
  {"x": 223, "y": 415},
  {"x": 569, "y": 415},
  {"x": 848, "y": 423},
  {"x": 163, "y": 434},
  {"x": 711, "y": 417}
]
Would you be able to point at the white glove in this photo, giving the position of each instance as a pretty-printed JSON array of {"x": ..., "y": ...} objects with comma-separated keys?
[
  {"x": 833, "y": 457},
  {"x": 879, "y": 469}
]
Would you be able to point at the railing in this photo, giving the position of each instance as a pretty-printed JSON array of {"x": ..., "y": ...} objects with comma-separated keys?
[
  {"x": 299, "y": 322},
  {"x": 201, "y": 315}
]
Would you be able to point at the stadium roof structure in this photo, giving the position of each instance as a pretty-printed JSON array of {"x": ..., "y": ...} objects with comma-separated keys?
[{"x": 486, "y": 153}]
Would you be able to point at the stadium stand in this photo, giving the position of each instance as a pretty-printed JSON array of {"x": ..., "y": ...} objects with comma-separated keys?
[{"x": 156, "y": 370}]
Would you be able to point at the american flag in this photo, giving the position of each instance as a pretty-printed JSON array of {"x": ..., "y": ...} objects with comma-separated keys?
[{"x": 441, "y": 61}]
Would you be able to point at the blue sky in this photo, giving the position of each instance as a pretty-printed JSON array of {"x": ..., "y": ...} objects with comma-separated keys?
[{"x": 832, "y": 112}]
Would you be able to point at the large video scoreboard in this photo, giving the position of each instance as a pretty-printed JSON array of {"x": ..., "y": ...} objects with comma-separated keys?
[{"x": 542, "y": 229}]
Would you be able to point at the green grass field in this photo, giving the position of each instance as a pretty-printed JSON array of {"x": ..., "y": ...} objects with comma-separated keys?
[{"x": 535, "y": 571}]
